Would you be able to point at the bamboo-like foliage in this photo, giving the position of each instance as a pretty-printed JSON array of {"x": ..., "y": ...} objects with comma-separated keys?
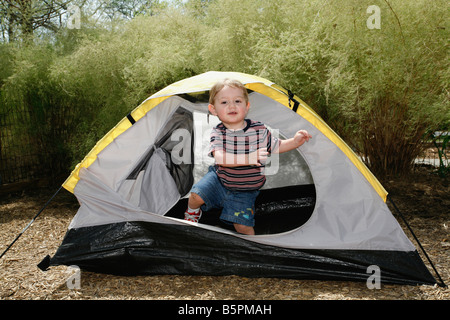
[{"x": 381, "y": 89}]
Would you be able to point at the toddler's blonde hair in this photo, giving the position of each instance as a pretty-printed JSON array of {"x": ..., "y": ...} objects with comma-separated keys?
[{"x": 230, "y": 83}]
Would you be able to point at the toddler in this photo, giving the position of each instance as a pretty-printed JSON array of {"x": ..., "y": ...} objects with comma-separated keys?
[{"x": 240, "y": 148}]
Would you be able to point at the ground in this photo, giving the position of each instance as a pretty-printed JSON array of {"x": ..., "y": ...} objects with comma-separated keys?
[{"x": 423, "y": 198}]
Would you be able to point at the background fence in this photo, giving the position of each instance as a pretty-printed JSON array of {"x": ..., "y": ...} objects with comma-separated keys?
[
  {"x": 19, "y": 160},
  {"x": 29, "y": 151}
]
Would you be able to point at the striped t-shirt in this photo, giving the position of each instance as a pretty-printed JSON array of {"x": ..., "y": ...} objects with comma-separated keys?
[{"x": 253, "y": 137}]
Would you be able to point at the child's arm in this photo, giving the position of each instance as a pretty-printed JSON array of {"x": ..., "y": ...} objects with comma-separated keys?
[
  {"x": 300, "y": 138},
  {"x": 236, "y": 160}
]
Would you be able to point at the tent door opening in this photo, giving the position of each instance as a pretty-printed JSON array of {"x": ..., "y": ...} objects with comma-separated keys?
[{"x": 286, "y": 201}]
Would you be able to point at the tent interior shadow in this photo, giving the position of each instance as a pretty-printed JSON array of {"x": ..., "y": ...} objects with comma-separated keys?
[{"x": 276, "y": 210}]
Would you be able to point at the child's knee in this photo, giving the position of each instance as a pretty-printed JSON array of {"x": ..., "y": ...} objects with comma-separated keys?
[
  {"x": 244, "y": 229},
  {"x": 195, "y": 199}
]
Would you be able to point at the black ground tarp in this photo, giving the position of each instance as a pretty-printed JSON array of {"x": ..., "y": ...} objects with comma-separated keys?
[{"x": 144, "y": 248}]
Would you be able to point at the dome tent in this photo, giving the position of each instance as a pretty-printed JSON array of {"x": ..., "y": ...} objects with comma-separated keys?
[{"x": 321, "y": 215}]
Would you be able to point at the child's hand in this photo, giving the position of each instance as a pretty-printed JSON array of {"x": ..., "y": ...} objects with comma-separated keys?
[
  {"x": 258, "y": 157},
  {"x": 301, "y": 137}
]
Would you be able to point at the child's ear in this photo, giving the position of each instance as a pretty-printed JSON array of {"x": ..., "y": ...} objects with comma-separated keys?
[{"x": 212, "y": 109}]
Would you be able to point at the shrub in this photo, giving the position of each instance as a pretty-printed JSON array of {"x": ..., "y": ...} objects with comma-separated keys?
[
  {"x": 382, "y": 90},
  {"x": 37, "y": 125}
]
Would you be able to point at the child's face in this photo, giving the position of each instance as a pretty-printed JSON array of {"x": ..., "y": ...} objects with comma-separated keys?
[{"x": 230, "y": 107}]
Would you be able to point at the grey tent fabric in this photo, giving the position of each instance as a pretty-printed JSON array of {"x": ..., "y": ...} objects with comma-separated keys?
[{"x": 153, "y": 197}]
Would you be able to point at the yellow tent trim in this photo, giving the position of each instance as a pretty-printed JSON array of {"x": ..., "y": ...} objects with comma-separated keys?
[
  {"x": 279, "y": 94},
  {"x": 204, "y": 82},
  {"x": 121, "y": 127}
]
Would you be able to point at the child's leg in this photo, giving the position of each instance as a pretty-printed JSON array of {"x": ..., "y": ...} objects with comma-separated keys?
[
  {"x": 239, "y": 209},
  {"x": 244, "y": 229},
  {"x": 195, "y": 201},
  {"x": 205, "y": 187},
  {"x": 193, "y": 211}
]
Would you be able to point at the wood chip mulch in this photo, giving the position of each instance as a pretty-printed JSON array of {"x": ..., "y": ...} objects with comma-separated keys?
[{"x": 21, "y": 279}]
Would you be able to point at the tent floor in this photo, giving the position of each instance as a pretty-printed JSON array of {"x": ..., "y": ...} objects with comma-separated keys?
[{"x": 276, "y": 210}]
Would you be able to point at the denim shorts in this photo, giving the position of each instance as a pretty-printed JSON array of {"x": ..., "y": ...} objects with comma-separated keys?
[{"x": 237, "y": 206}]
